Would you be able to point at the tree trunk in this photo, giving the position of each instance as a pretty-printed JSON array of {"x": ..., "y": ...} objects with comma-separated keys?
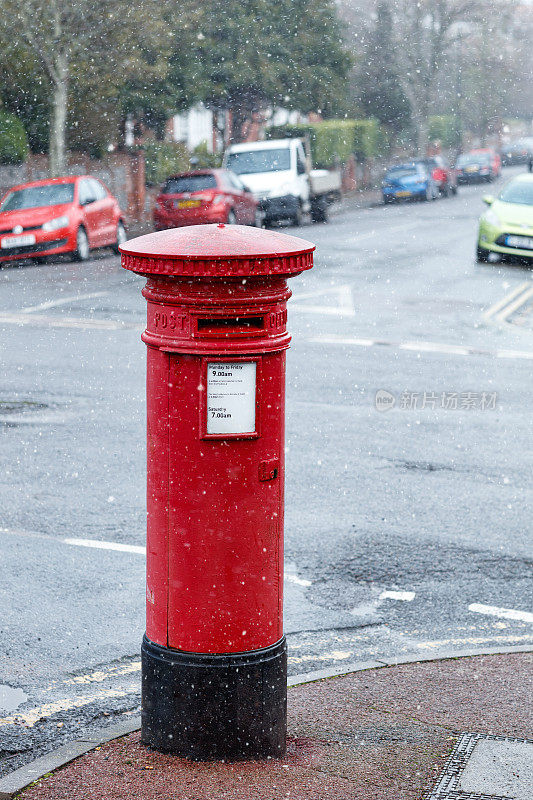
[
  {"x": 421, "y": 128},
  {"x": 239, "y": 115},
  {"x": 58, "y": 123}
]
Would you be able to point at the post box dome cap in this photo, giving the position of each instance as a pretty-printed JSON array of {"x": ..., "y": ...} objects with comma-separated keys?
[{"x": 217, "y": 250}]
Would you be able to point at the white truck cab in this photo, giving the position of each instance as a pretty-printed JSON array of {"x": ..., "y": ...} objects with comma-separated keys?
[{"x": 277, "y": 173}]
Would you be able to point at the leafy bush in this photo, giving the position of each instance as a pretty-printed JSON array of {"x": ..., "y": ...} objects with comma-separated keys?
[
  {"x": 13, "y": 140},
  {"x": 206, "y": 160},
  {"x": 164, "y": 159},
  {"x": 445, "y": 129},
  {"x": 334, "y": 140}
]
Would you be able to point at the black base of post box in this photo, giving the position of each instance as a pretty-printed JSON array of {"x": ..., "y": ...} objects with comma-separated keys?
[{"x": 215, "y": 707}]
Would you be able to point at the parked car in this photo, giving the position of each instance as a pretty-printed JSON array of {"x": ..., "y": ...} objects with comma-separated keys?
[
  {"x": 517, "y": 152},
  {"x": 443, "y": 174},
  {"x": 61, "y": 215},
  {"x": 409, "y": 182},
  {"x": 507, "y": 226},
  {"x": 474, "y": 168},
  {"x": 495, "y": 159},
  {"x": 205, "y": 195}
]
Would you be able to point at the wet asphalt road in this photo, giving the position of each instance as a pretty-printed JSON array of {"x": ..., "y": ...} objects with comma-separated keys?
[{"x": 397, "y": 521}]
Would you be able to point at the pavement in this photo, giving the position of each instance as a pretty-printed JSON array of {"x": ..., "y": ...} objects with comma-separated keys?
[{"x": 451, "y": 729}]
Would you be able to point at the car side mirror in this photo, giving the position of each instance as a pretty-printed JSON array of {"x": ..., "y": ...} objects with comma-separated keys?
[
  {"x": 488, "y": 199},
  {"x": 300, "y": 168}
]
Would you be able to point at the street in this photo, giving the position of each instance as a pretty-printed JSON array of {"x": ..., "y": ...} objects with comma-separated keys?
[{"x": 408, "y": 476}]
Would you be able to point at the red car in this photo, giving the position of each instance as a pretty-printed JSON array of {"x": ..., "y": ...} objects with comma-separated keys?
[
  {"x": 207, "y": 195},
  {"x": 444, "y": 176},
  {"x": 61, "y": 215}
]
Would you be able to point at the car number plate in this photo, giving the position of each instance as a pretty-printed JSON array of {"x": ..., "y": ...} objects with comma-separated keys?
[
  {"x": 18, "y": 241},
  {"x": 187, "y": 204},
  {"x": 525, "y": 242},
  {"x": 472, "y": 169},
  {"x": 403, "y": 194}
]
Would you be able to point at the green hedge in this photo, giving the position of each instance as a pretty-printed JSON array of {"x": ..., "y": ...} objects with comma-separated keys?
[
  {"x": 13, "y": 140},
  {"x": 335, "y": 140},
  {"x": 164, "y": 159},
  {"x": 445, "y": 129}
]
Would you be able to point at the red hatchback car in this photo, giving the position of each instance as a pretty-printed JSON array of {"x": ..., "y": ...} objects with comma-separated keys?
[
  {"x": 207, "y": 195},
  {"x": 61, "y": 215}
]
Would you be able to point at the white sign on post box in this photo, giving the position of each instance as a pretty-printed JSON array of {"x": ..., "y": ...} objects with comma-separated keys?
[{"x": 231, "y": 397}]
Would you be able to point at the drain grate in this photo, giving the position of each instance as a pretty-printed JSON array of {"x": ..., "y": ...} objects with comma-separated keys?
[{"x": 448, "y": 786}]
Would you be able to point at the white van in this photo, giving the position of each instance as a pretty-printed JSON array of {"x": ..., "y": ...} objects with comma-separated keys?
[{"x": 277, "y": 173}]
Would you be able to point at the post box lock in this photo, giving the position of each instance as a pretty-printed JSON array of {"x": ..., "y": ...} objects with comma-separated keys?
[{"x": 269, "y": 469}]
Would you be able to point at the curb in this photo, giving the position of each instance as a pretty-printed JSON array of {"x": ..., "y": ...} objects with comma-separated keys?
[{"x": 21, "y": 778}]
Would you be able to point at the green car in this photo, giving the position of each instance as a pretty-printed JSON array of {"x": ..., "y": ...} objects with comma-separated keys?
[{"x": 507, "y": 226}]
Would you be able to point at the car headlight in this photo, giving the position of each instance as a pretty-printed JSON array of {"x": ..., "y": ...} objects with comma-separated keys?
[
  {"x": 492, "y": 218},
  {"x": 54, "y": 224}
]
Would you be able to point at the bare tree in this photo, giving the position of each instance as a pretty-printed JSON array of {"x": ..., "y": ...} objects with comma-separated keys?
[{"x": 425, "y": 32}]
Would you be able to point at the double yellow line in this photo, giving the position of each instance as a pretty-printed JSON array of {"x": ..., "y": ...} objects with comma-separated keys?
[{"x": 501, "y": 311}]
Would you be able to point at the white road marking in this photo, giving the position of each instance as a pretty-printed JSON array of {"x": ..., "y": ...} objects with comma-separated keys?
[
  {"x": 504, "y": 613},
  {"x": 392, "y": 595},
  {"x": 514, "y": 306},
  {"x": 435, "y": 347},
  {"x": 289, "y": 576},
  {"x": 22, "y": 318},
  {"x": 429, "y": 347},
  {"x": 507, "y": 299},
  {"x": 124, "y": 548},
  {"x": 63, "y": 301},
  {"x": 343, "y": 295}
]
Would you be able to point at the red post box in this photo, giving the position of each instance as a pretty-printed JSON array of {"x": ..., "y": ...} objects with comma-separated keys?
[{"x": 214, "y": 655}]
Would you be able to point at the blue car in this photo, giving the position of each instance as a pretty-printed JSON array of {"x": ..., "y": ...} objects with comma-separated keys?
[{"x": 409, "y": 182}]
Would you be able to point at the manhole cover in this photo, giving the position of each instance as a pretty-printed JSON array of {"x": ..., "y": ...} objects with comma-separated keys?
[{"x": 487, "y": 768}]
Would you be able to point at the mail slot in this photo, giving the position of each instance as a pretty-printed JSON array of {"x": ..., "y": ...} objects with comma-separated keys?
[
  {"x": 214, "y": 655},
  {"x": 230, "y": 326}
]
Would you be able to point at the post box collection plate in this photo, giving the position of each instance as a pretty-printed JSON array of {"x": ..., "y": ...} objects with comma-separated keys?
[
  {"x": 214, "y": 657},
  {"x": 231, "y": 397}
]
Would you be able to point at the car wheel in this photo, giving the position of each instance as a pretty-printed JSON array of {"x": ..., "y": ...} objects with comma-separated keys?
[
  {"x": 482, "y": 255},
  {"x": 319, "y": 209},
  {"x": 454, "y": 190},
  {"x": 297, "y": 218},
  {"x": 428, "y": 194},
  {"x": 121, "y": 237},
  {"x": 81, "y": 253},
  {"x": 231, "y": 219}
]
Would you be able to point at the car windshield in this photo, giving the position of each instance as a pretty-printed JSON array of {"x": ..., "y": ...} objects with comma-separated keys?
[
  {"x": 403, "y": 172},
  {"x": 55, "y": 194},
  {"x": 520, "y": 192},
  {"x": 473, "y": 159},
  {"x": 254, "y": 161},
  {"x": 189, "y": 183}
]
